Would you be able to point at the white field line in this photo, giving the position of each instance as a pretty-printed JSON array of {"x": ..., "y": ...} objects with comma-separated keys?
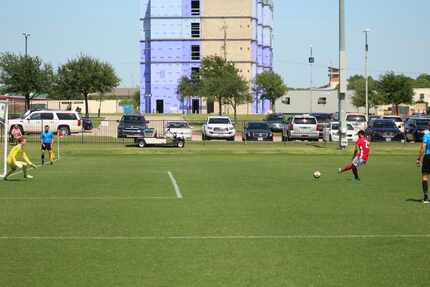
[
  {"x": 106, "y": 198},
  {"x": 221, "y": 237},
  {"x": 175, "y": 186}
]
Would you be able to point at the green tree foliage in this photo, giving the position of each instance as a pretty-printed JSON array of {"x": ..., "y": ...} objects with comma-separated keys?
[
  {"x": 238, "y": 88},
  {"x": 83, "y": 76},
  {"x": 422, "y": 81},
  {"x": 136, "y": 100},
  {"x": 213, "y": 79},
  {"x": 25, "y": 75},
  {"x": 395, "y": 90},
  {"x": 357, "y": 83},
  {"x": 271, "y": 86},
  {"x": 188, "y": 87}
]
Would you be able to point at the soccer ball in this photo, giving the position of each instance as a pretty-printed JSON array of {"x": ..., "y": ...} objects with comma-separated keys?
[{"x": 317, "y": 174}]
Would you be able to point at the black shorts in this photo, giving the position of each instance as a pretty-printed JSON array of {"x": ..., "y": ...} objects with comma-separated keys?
[
  {"x": 426, "y": 164},
  {"x": 46, "y": 147}
]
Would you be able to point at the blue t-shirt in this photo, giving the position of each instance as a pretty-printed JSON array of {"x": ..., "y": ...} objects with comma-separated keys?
[
  {"x": 426, "y": 141},
  {"x": 47, "y": 137}
]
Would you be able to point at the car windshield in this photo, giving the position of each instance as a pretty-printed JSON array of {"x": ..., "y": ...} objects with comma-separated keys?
[
  {"x": 219, "y": 121},
  {"x": 305, "y": 121},
  {"x": 355, "y": 118},
  {"x": 395, "y": 119},
  {"x": 335, "y": 127},
  {"x": 258, "y": 126},
  {"x": 423, "y": 123},
  {"x": 384, "y": 124},
  {"x": 133, "y": 119},
  {"x": 275, "y": 118},
  {"x": 177, "y": 125},
  {"x": 323, "y": 118}
]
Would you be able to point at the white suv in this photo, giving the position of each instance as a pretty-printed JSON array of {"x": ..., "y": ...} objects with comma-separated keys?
[
  {"x": 218, "y": 128},
  {"x": 34, "y": 122}
]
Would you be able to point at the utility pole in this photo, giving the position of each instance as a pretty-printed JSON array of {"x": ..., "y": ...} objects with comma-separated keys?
[
  {"x": 366, "y": 72},
  {"x": 311, "y": 63},
  {"x": 224, "y": 28},
  {"x": 343, "y": 74},
  {"x": 26, "y": 36}
]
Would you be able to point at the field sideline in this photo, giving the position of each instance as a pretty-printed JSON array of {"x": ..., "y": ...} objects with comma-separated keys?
[{"x": 215, "y": 214}]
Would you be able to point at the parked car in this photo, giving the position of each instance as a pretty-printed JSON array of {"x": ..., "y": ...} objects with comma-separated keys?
[
  {"x": 257, "y": 131},
  {"x": 332, "y": 132},
  {"x": 132, "y": 125},
  {"x": 397, "y": 120},
  {"x": 415, "y": 128},
  {"x": 323, "y": 120},
  {"x": 181, "y": 128},
  {"x": 304, "y": 127},
  {"x": 87, "y": 123},
  {"x": 357, "y": 120},
  {"x": 34, "y": 121},
  {"x": 276, "y": 122},
  {"x": 384, "y": 130},
  {"x": 217, "y": 127}
]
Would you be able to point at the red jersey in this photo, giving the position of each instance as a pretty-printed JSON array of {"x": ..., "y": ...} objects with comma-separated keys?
[{"x": 363, "y": 148}]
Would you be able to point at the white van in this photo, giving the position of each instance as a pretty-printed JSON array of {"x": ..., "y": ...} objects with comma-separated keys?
[{"x": 34, "y": 122}]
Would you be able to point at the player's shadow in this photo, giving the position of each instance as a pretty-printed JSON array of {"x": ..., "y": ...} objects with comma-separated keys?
[{"x": 414, "y": 200}]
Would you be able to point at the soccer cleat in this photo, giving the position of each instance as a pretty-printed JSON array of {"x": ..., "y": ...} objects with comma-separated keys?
[
  {"x": 29, "y": 176},
  {"x": 339, "y": 171},
  {"x": 426, "y": 200}
]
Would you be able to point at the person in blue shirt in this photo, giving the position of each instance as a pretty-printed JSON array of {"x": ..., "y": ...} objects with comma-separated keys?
[
  {"x": 47, "y": 141},
  {"x": 423, "y": 160}
]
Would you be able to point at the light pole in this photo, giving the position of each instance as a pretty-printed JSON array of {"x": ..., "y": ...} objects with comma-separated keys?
[
  {"x": 311, "y": 63},
  {"x": 26, "y": 36},
  {"x": 366, "y": 72},
  {"x": 342, "y": 72}
]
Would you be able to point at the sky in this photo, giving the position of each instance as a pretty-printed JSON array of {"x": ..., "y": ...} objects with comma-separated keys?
[{"x": 109, "y": 30}]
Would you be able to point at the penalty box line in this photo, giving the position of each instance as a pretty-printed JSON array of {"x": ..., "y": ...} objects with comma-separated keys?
[{"x": 221, "y": 237}]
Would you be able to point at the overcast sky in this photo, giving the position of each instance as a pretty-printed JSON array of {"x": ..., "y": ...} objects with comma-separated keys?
[{"x": 109, "y": 30}]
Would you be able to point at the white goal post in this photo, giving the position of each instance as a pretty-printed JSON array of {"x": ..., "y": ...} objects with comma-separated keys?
[{"x": 4, "y": 137}]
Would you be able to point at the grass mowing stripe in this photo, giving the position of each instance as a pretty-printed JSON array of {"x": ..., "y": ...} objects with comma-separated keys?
[
  {"x": 175, "y": 185},
  {"x": 221, "y": 237}
]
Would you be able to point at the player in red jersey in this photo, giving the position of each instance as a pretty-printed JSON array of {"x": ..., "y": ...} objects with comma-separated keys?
[{"x": 361, "y": 155}]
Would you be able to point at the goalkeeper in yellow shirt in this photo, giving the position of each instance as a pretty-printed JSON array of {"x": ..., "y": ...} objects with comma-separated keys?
[{"x": 18, "y": 159}]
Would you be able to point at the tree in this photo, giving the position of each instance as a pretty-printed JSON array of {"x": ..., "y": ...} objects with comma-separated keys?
[
  {"x": 358, "y": 84},
  {"x": 85, "y": 75},
  {"x": 395, "y": 90},
  {"x": 25, "y": 75},
  {"x": 136, "y": 100},
  {"x": 238, "y": 89},
  {"x": 188, "y": 87},
  {"x": 272, "y": 87},
  {"x": 213, "y": 77},
  {"x": 422, "y": 81}
]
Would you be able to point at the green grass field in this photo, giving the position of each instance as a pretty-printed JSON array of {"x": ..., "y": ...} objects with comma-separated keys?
[{"x": 251, "y": 215}]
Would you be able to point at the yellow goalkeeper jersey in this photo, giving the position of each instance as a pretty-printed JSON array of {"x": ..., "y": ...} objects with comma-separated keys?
[{"x": 16, "y": 153}]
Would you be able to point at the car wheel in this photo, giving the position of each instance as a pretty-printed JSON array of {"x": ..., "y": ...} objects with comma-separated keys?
[
  {"x": 180, "y": 144},
  {"x": 141, "y": 143}
]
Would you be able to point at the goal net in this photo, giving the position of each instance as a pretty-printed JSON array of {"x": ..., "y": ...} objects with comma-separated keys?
[{"x": 4, "y": 134}]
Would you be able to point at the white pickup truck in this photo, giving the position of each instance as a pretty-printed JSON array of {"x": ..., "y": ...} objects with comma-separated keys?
[
  {"x": 34, "y": 122},
  {"x": 218, "y": 128}
]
